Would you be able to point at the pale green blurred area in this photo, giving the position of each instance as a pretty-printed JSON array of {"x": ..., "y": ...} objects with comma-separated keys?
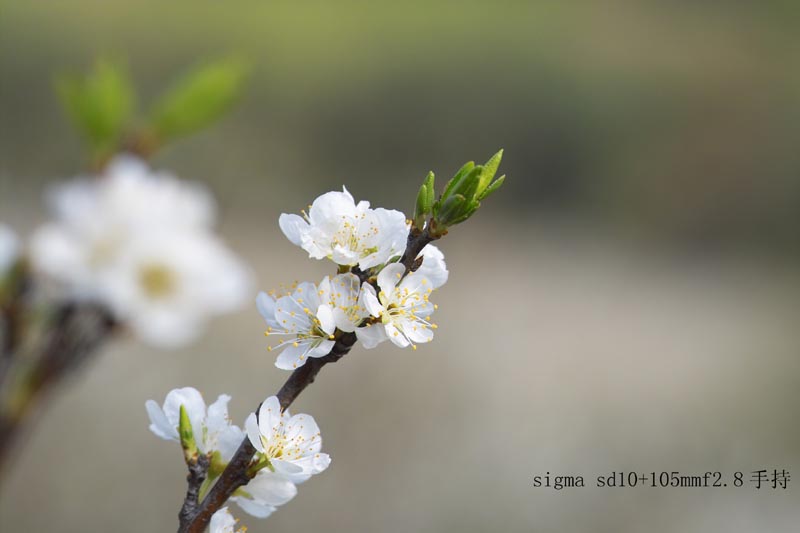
[{"x": 628, "y": 301}]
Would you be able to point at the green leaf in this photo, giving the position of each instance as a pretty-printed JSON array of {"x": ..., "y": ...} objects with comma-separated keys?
[
  {"x": 99, "y": 104},
  {"x": 425, "y": 198},
  {"x": 198, "y": 99},
  {"x": 462, "y": 172},
  {"x": 489, "y": 170},
  {"x": 468, "y": 185},
  {"x": 493, "y": 187},
  {"x": 450, "y": 210}
]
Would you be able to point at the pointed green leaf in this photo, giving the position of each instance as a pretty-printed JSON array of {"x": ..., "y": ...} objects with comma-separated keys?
[
  {"x": 424, "y": 205},
  {"x": 462, "y": 172},
  {"x": 450, "y": 210},
  {"x": 99, "y": 104},
  {"x": 198, "y": 99},
  {"x": 492, "y": 188},
  {"x": 468, "y": 185},
  {"x": 489, "y": 171}
]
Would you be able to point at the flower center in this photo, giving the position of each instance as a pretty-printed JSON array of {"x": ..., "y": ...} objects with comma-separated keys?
[{"x": 158, "y": 281}]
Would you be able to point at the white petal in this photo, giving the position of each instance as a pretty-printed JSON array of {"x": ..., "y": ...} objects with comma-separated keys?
[
  {"x": 325, "y": 317},
  {"x": 217, "y": 418},
  {"x": 332, "y": 206},
  {"x": 321, "y": 350},
  {"x": 292, "y": 357},
  {"x": 285, "y": 467},
  {"x": 370, "y": 301},
  {"x": 271, "y": 488},
  {"x": 433, "y": 266},
  {"x": 420, "y": 334},
  {"x": 253, "y": 432},
  {"x": 159, "y": 424},
  {"x": 269, "y": 416},
  {"x": 222, "y": 522},
  {"x": 266, "y": 307},
  {"x": 342, "y": 320},
  {"x": 395, "y": 336},
  {"x": 293, "y": 226},
  {"x": 371, "y": 336},
  {"x": 254, "y": 508},
  {"x": 192, "y": 401},
  {"x": 390, "y": 276},
  {"x": 321, "y": 462}
]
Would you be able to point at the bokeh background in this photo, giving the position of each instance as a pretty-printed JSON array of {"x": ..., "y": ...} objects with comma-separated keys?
[{"x": 628, "y": 301}]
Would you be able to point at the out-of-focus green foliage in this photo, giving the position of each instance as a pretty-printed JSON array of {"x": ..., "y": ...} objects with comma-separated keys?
[
  {"x": 100, "y": 104},
  {"x": 198, "y": 99}
]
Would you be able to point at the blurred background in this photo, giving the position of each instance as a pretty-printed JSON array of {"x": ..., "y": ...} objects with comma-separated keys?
[{"x": 628, "y": 301}]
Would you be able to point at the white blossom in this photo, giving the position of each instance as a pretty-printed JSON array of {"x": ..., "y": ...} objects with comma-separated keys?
[
  {"x": 165, "y": 285},
  {"x": 303, "y": 319},
  {"x": 223, "y": 522},
  {"x": 140, "y": 242},
  {"x": 212, "y": 428},
  {"x": 9, "y": 248},
  {"x": 290, "y": 445},
  {"x": 337, "y": 228},
  {"x": 402, "y": 306},
  {"x": 342, "y": 295}
]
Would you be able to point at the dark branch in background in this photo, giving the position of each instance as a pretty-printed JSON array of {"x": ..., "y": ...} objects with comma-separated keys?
[
  {"x": 77, "y": 332},
  {"x": 194, "y": 518}
]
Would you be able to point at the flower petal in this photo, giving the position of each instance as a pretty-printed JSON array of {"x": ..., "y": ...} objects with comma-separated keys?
[{"x": 293, "y": 226}]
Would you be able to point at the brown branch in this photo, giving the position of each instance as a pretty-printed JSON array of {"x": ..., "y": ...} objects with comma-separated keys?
[
  {"x": 194, "y": 518},
  {"x": 198, "y": 470},
  {"x": 77, "y": 332},
  {"x": 235, "y": 474}
]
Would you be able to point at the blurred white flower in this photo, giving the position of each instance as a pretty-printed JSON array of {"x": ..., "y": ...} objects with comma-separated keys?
[
  {"x": 223, "y": 522},
  {"x": 140, "y": 242},
  {"x": 403, "y": 307},
  {"x": 304, "y": 320},
  {"x": 166, "y": 284},
  {"x": 348, "y": 234},
  {"x": 289, "y": 445},
  {"x": 9, "y": 248},
  {"x": 212, "y": 429}
]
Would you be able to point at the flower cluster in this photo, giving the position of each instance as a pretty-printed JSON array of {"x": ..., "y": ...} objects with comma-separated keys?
[
  {"x": 392, "y": 304},
  {"x": 387, "y": 272},
  {"x": 288, "y": 447},
  {"x": 141, "y": 242}
]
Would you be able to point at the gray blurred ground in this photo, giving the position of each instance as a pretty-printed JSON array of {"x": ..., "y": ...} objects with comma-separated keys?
[{"x": 629, "y": 300}]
